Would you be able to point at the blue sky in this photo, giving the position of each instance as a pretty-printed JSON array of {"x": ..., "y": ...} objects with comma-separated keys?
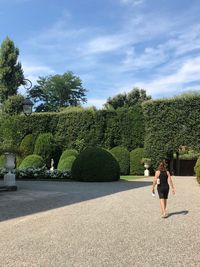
[{"x": 112, "y": 45}]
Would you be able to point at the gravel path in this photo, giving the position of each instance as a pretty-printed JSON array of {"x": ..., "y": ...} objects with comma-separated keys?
[{"x": 99, "y": 224}]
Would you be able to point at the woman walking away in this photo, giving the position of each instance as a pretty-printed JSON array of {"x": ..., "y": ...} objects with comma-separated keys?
[{"x": 163, "y": 180}]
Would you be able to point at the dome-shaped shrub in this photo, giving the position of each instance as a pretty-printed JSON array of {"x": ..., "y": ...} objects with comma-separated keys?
[
  {"x": 122, "y": 155},
  {"x": 45, "y": 147},
  {"x": 197, "y": 170},
  {"x": 32, "y": 161},
  {"x": 27, "y": 145},
  {"x": 26, "y": 148},
  {"x": 95, "y": 165},
  {"x": 2, "y": 161},
  {"x": 68, "y": 153},
  {"x": 136, "y": 167},
  {"x": 66, "y": 163}
]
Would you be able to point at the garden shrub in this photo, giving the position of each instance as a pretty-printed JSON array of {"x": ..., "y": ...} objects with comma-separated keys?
[
  {"x": 45, "y": 147},
  {"x": 32, "y": 161},
  {"x": 26, "y": 148},
  {"x": 65, "y": 164},
  {"x": 197, "y": 170},
  {"x": 68, "y": 153},
  {"x": 27, "y": 145},
  {"x": 122, "y": 155},
  {"x": 136, "y": 167},
  {"x": 2, "y": 161},
  {"x": 41, "y": 174},
  {"x": 95, "y": 165}
]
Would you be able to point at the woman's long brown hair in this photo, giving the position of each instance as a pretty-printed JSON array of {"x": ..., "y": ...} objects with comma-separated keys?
[{"x": 162, "y": 166}]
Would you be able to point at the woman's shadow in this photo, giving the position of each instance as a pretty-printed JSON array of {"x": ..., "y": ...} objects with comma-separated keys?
[{"x": 183, "y": 212}]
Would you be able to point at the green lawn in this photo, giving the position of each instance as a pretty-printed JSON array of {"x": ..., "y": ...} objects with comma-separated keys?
[{"x": 130, "y": 177}]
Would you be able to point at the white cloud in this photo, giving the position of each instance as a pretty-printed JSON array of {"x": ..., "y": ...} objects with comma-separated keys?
[
  {"x": 132, "y": 2},
  {"x": 189, "y": 72},
  {"x": 182, "y": 44},
  {"x": 150, "y": 58},
  {"x": 32, "y": 72},
  {"x": 97, "y": 102},
  {"x": 106, "y": 43}
]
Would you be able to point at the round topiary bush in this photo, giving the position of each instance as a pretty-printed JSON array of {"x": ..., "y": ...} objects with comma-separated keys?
[
  {"x": 2, "y": 161},
  {"x": 27, "y": 145},
  {"x": 45, "y": 147},
  {"x": 26, "y": 148},
  {"x": 122, "y": 155},
  {"x": 68, "y": 153},
  {"x": 197, "y": 170},
  {"x": 32, "y": 161},
  {"x": 66, "y": 163},
  {"x": 95, "y": 165},
  {"x": 136, "y": 167}
]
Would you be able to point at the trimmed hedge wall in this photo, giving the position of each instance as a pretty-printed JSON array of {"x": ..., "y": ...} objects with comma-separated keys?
[
  {"x": 95, "y": 165},
  {"x": 122, "y": 155},
  {"x": 136, "y": 167},
  {"x": 78, "y": 128},
  {"x": 197, "y": 170},
  {"x": 171, "y": 123}
]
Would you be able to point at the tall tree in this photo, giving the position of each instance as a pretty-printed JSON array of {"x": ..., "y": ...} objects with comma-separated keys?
[
  {"x": 135, "y": 96},
  {"x": 56, "y": 91},
  {"x": 11, "y": 73}
]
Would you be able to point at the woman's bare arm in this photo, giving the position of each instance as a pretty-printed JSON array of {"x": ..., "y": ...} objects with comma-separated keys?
[
  {"x": 170, "y": 182},
  {"x": 155, "y": 180}
]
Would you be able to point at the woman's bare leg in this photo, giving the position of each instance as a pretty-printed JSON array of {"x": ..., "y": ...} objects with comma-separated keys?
[
  {"x": 165, "y": 204},
  {"x": 162, "y": 206}
]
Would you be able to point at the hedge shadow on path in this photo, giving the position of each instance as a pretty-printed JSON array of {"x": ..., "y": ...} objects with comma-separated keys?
[{"x": 38, "y": 196}]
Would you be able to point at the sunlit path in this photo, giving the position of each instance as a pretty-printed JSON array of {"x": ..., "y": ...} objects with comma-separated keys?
[{"x": 99, "y": 224}]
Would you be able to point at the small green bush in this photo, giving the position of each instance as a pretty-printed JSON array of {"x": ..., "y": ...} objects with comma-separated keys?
[
  {"x": 66, "y": 163},
  {"x": 122, "y": 155},
  {"x": 27, "y": 145},
  {"x": 136, "y": 167},
  {"x": 41, "y": 174},
  {"x": 32, "y": 161},
  {"x": 2, "y": 161},
  {"x": 197, "y": 170},
  {"x": 45, "y": 147},
  {"x": 68, "y": 153},
  {"x": 95, "y": 165}
]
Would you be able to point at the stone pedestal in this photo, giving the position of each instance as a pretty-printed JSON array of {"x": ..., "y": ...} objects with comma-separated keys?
[
  {"x": 146, "y": 172},
  {"x": 9, "y": 178}
]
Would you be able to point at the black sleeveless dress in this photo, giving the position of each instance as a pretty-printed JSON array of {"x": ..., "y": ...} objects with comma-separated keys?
[{"x": 163, "y": 187}]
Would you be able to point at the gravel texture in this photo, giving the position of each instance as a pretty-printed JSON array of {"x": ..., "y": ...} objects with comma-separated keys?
[{"x": 70, "y": 224}]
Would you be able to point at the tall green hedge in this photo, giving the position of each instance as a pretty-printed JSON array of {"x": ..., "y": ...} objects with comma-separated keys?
[
  {"x": 80, "y": 127},
  {"x": 136, "y": 167},
  {"x": 171, "y": 123},
  {"x": 197, "y": 170},
  {"x": 122, "y": 155}
]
